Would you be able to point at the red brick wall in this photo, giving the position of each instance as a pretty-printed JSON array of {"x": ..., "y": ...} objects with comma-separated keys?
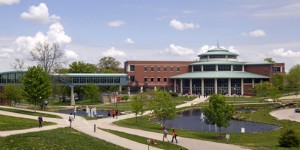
[
  {"x": 140, "y": 74},
  {"x": 247, "y": 89},
  {"x": 265, "y": 70}
]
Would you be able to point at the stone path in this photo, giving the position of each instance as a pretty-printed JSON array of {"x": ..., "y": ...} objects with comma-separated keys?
[{"x": 87, "y": 127}]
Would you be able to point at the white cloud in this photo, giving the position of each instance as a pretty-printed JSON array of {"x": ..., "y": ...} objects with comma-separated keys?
[
  {"x": 129, "y": 41},
  {"x": 183, "y": 26},
  {"x": 285, "y": 53},
  {"x": 39, "y": 14},
  {"x": 113, "y": 52},
  {"x": 71, "y": 55},
  {"x": 55, "y": 34},
  {"x": 9, "y": 2},
  {"x": 6, "y": 52},
  {"x": 255, "y": 33},
  {"x": 179, "y": 50},
  {"x": 116, "y": 23}
]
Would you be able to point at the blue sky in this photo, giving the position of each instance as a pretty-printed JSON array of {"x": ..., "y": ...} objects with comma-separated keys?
[{"x": 151, "y": 30}]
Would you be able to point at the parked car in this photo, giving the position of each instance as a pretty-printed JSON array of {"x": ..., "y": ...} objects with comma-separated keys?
[{"x": 297, "y": 109}]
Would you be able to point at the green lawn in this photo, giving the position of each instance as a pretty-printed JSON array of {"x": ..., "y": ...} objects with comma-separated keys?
[
  {"x": 143, "y": 140},
  {"x": 62, "y": 138},
  {"x": 32, "y": 113},
  {"x": 14, "y": 123},
  {"x": 266, "y": 140}
]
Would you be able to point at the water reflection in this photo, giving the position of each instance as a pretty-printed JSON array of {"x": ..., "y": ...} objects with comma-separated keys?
[{"x": 193, "y": 120}]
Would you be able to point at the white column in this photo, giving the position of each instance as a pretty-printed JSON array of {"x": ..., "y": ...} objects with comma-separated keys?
[
  {"x": 120, "y": 88},
  {"x": 181, "y": 86},
  {"x": 229, "y": 87},
  {"x": 217, "y": 68},
  {"x": 202, "y": 87},
  {"x": 242, "y": 87},
  {"x": 243, "y": 68},
  {"x": 252, "y": 83},
  {"x": 191, "y": 87},
  {"x": 192, "y": 68},
  {"x": 72, "y": 96},
  {"x": 216, "y": 86},
  {"x": 231, "y": 67},
  {"x": 201, "y": 67},
  {"x": 175, "y": 86}
]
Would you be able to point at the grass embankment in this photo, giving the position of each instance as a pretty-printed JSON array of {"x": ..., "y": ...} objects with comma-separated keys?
[
  {"x": 32, "y": 113},
  {"x": 14, "y": 123},
  {"x": 143, "y": 140},
  {"x": 62, "y": 138},
  {"x": 266, "y": 140}
]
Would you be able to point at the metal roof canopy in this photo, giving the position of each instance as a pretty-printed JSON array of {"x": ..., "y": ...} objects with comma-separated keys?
[{"x": 219, "y": 75}]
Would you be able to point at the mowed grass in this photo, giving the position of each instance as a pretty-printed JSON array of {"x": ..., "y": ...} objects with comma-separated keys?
[
  {"x": 29, "y": 112},
  {"x": 61, "y": 138},
  {"x": 14, "y": 123},
  {"x": 143, "y": 140},
  {"x": 264, "y": 140}
]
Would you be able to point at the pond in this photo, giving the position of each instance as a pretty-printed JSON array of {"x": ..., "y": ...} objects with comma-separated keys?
[{"x": 193, "y": 120}]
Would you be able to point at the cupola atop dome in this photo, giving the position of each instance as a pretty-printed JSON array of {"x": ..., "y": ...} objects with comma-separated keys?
[{"x": 218, "y": 54}]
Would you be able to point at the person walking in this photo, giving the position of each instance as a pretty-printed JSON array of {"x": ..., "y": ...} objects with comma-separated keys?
[
  {"x": 113, "y": 112},
  {"x": 40, "y": 118},
  {"x": 174, "y": 136},
  {"x": 165, "y": 134},
  {"x": 71, "y": 119},
  {"x": 117, "y": 113}
]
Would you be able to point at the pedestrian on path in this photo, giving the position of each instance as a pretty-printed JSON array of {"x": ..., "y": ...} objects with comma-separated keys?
[
  {"x": 113, "y": 112},
  {"x": 40, "y": 118},
  {"x": 174, "y": 136},
  {"x": 71, "y": 119},
  {"x": 165, "y": 134},
  {"x": 108, "y": 113},
  {"x": 117, "y": 113}
]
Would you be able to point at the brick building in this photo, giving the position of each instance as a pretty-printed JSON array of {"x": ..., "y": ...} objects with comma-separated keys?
[{"x": 217, "y": 71}]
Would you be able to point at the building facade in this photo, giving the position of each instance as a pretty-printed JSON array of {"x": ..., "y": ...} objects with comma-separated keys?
[{"x": 217, "y": 71}]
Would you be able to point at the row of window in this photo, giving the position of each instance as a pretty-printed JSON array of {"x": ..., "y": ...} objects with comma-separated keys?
[
  {"x": 217, "y": 57},
  {"x": 157, "y": 79},
  {"x": 152, "y": 68},
  {"x": 220, "y": 68}
]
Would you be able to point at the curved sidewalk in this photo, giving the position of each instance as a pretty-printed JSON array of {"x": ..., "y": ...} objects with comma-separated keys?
[
  {"x": 87, "y": 127},
  {"x": 288, "y": 114}
]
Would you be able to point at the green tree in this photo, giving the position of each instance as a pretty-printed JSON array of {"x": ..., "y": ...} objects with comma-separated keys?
[
  {"x": 81, "y": 67},
  {"x": 262, "y": 89},
  {"x": 36, "y": 83},
  {"x": 293, "y": 77},
  {"x": 278, "y": 80},
  {"x": 274, "y": 93},
  {"x": 108, "y": 63},
  {"x": 218, "y": 112},
  {"x": 163, "y": 105},
  {"x": 91, "y": 91},
  {"x": 137, "y": 104},
  {"x": 13, "y": 92},
  {"x": 270, "y": 60}
]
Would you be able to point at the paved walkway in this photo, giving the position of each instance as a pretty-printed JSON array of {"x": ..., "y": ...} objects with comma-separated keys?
[
  {"x": 288, "y": 114},
  {"x": 87, "y": 127}
]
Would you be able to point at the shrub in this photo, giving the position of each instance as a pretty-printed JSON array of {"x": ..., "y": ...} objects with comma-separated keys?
[
  {"x": 124, "y": 97},
  {"x": 173, "y": 94},
  {"x": 289, "y": 139}
]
